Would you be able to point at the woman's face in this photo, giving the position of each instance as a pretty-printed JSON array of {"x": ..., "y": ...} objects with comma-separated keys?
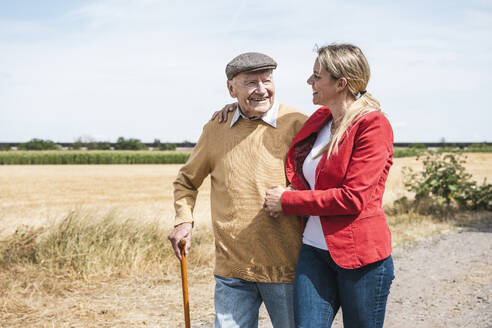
[{"x": 324, "y": 86}]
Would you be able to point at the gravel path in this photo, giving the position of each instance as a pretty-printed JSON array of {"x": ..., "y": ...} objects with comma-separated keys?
[{"x": 442, "y": 282}]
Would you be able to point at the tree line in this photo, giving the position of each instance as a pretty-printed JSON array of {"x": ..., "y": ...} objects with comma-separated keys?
[
  {"x": 121, "y": 144},
  {"x": 401, "y": 149}
]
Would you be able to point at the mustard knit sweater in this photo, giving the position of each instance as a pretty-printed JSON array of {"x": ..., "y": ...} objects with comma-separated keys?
[{"x": 244, "y": 161}]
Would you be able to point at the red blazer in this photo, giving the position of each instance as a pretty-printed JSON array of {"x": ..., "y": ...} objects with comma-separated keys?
[{"x": 349, "y": 188}]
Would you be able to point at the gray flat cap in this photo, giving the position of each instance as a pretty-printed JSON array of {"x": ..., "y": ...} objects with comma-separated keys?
[{"x": 248, "y": 62}]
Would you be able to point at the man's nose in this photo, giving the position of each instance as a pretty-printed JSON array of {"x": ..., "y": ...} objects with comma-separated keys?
[{"x": 261, "y": 88}]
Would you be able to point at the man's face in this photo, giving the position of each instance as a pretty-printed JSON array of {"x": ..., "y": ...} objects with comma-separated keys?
[{"x": 254, "y": 91}]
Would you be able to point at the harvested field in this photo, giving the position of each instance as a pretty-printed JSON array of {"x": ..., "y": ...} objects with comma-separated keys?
[
  {"x": 147, "y": 294},
  {"x": 35, "y": 195}
]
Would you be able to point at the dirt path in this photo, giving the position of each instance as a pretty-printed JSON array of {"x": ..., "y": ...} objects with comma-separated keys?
[{"x": 443, "y": 282}]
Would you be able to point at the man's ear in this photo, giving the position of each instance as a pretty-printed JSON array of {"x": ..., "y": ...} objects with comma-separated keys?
[{"x": 230, "y": 87}]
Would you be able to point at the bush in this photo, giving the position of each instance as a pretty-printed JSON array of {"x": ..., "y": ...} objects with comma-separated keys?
[
  {"x": 157, "y": 144},
  {"x": 479, "y": 197},
  {"x": 168, "y": 146},
  {"x": 129, "y": 144},
  {"x": 445, "y": 182},
  {"x": 90, "y": 144},
  {"x": 78, "y": 144},
  {"x": 38, "y": 144},
  {"x": 98, "y": 145},
  {"x": 4, "y": 147}
]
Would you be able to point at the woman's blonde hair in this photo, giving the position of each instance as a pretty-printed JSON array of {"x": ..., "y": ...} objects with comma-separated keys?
[{"x": 348, "y": 61}]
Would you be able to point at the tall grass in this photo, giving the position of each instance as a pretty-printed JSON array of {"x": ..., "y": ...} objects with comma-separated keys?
[
  {"x": 90, "y": 157},
  {"x": 82, "y": 247},
  {"x": 89, "y": 270}
]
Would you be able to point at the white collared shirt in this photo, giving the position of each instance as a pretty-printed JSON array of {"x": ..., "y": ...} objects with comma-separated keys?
[{"x": 269, "y": 117}]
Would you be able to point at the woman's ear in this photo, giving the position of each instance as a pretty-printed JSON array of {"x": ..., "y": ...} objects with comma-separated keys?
[{"x": 341, "y": 84}]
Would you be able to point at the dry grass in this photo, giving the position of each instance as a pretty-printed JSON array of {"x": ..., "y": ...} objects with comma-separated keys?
[
  {"x": 108, "y": 263},
  {"x": 100, "y": 271}
]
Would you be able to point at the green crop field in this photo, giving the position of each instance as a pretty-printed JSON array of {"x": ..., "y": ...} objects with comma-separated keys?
[{"x": 92, "y": 157}]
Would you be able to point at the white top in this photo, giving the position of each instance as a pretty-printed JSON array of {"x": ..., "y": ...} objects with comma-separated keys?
[{"x": 313, "y": 234}]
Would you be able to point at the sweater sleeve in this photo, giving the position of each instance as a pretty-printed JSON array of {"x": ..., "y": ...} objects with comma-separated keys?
[
  {"x": 190, "y": 178},
  {"x": 371, "y": 153}
]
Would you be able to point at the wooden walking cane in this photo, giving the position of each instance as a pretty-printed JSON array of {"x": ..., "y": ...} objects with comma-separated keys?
[{"x": 184, "y": 283}]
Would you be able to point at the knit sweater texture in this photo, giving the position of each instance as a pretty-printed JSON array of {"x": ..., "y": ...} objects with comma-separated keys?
[{"x": 244, "y": 161}]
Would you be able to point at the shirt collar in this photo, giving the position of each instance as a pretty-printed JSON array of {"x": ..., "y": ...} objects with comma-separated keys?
[{"x": 269, "y": 117}]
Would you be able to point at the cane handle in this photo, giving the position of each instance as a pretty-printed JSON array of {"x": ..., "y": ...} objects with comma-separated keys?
[{"x": 182, "y": 244}]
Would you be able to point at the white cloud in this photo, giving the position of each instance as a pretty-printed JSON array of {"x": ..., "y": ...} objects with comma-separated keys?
[{"x": 155, "y": 69}]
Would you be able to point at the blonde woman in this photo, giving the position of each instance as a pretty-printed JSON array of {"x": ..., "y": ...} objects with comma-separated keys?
[{"x": 338, "y": 164}]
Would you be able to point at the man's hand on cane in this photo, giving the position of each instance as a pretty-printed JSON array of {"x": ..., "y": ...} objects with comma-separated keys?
[{"x": 181, "y": 231}]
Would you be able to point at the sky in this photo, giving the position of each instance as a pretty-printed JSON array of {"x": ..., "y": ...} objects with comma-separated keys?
[{"x": 150, "y": 69}]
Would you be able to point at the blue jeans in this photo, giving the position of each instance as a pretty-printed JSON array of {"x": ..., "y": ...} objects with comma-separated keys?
[
  {"x": 321, "y": 287},
  {"x": 238, "y": 301}
]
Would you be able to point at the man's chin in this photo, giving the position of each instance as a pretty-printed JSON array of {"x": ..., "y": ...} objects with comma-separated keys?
[{"x": 260, "y": 109}]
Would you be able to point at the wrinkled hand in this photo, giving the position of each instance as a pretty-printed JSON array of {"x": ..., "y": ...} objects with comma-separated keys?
[
  {"x": 182, "y": 231},
  {"x": 224, "y": 112},
  {"x": 272, "y": 202}
]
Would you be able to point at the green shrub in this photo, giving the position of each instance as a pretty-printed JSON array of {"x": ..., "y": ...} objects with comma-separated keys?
[
  {"x": 78, "y": 145},
  {"x": 90, "y": 144},
  {"x": 479, "y": 197},
  {"x": 98, "y": 145},
  {"x": 167, "y": 146},
  {"x": 157, "y": 144},
  {"x": 129, "y": 144},
  {"x": 4, "y": 147},
  {"x": 38, "y": 144},
  {"x": 444, "y": 181}
]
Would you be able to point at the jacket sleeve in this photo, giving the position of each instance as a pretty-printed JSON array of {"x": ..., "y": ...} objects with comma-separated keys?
[
  {"x": 189, "y": 179},
  {"x": 373, "y": 147}
]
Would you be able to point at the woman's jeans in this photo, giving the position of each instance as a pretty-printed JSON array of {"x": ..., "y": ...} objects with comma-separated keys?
[{"x": 321, "y": 287}]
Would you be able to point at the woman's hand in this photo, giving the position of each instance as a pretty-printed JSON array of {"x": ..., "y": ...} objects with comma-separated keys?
[
  {"x": 272, "y": 202},
  {"x": 224, "y": 112}
]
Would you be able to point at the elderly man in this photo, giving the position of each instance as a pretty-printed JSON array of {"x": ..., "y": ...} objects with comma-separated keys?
[{"x": 256, "y": 254}]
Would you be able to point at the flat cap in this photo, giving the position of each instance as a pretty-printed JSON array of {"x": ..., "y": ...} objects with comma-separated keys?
[{"x": 248, "y": 62}]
